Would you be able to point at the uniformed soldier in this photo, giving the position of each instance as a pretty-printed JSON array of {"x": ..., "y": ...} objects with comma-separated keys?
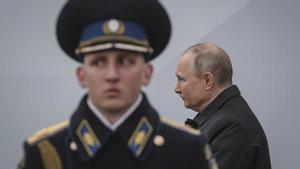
[{"x": 114, "y": 125}]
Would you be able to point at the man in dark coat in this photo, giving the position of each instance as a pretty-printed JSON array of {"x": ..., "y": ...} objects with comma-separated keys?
[
  {"x": 114, "y": 125},
  {"x": 235, "y": 135}
]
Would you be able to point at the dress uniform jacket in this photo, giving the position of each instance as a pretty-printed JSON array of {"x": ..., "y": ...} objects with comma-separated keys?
[
  {"x": 142, "y": 141},
  {"x": 235, "y": 135}
]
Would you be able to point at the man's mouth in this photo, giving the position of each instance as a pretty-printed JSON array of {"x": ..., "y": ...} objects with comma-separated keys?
[{"x": 112, "y": 92}]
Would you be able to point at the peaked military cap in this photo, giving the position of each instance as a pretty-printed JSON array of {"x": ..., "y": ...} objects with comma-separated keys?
[{"x": 85, "y": 26}]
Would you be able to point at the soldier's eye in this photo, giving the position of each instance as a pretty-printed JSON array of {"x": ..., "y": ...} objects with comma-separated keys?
[
  {"x": 126, "y": 61},
  {"x": 98, "y": 62}
]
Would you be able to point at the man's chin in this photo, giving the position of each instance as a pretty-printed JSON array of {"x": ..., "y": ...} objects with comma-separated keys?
[
  {"x": 185, "y": 105},
  {"x": 188, "y": 106},
  {"x": 114, "y": 107}
]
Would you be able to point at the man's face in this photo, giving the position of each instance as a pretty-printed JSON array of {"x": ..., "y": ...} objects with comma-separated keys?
[
  {"x": 190, "y": 88},
  {"x": 114, "y": 78}
]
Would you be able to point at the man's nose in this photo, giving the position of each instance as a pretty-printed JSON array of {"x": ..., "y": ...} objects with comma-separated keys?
[
  {"x": 112, "y": 73},
  {"x": 177, "y": 89}
]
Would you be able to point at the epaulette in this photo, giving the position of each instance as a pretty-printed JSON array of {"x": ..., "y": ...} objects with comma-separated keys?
[
  {"x": 47, "y": 131},
  {"x": 180, "y": 126}
]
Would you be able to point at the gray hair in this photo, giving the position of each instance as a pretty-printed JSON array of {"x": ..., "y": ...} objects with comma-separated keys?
[{"x": 211, "y": 58}]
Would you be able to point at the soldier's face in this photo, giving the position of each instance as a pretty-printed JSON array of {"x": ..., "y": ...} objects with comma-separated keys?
[
  {"x": 114, "y": 78},
  {"x": 189, "y": 87}
]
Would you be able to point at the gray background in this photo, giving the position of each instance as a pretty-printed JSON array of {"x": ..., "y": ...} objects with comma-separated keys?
[{"x": 38, "y": 85}]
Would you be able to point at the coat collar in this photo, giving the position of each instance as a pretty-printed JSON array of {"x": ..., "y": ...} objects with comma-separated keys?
[
  {"x": 91, "y": 135},
  {"x": 220, "y": 100}
]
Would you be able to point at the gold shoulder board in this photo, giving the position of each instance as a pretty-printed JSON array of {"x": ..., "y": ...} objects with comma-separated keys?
[
  {"x": 180, "y": 126},
  {"x": 47, "y": 131}
]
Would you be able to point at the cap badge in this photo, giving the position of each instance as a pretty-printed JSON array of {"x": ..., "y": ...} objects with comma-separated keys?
[{"x": 113, "y": 26}]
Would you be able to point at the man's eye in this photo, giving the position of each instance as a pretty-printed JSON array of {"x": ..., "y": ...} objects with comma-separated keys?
[
  {"x": 126, "y": 61},
  {"x": 180, "y": 79},
  {"x": 98, "y": 62}
]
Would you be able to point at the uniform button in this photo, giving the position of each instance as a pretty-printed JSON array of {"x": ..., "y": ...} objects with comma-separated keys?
[
  {"x": 73, "y": 146},
  {"x": 159, "y": 140}
]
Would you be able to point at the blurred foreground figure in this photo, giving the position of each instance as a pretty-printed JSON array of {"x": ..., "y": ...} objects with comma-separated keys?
[{"x": 114, "y": 125}]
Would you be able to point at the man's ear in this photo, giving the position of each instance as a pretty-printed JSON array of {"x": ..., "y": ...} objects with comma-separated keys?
[
  {"x": 81, "y": 76},
  {"x": 209, "y": 80},
  {"x": 147, "y": 74}
]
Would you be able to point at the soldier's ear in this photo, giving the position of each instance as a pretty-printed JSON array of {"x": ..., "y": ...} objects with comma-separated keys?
[
  {"x": 80, "y": 73},
  {"x": 147, "y": 74},
  {"x": 209, "y": 80}
]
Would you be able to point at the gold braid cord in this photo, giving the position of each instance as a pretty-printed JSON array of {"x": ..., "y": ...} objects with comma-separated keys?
[{"x": 49, "y": 155}]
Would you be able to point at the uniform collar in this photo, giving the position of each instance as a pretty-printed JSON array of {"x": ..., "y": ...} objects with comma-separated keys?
[
  {"x": 106, "y": 122},
  {"x": 90, "y": 135},
  {"x": 222, "y": 98}
]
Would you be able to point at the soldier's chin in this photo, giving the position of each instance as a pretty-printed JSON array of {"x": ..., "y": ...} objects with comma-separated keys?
[{"x": 115, "y": 107}]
